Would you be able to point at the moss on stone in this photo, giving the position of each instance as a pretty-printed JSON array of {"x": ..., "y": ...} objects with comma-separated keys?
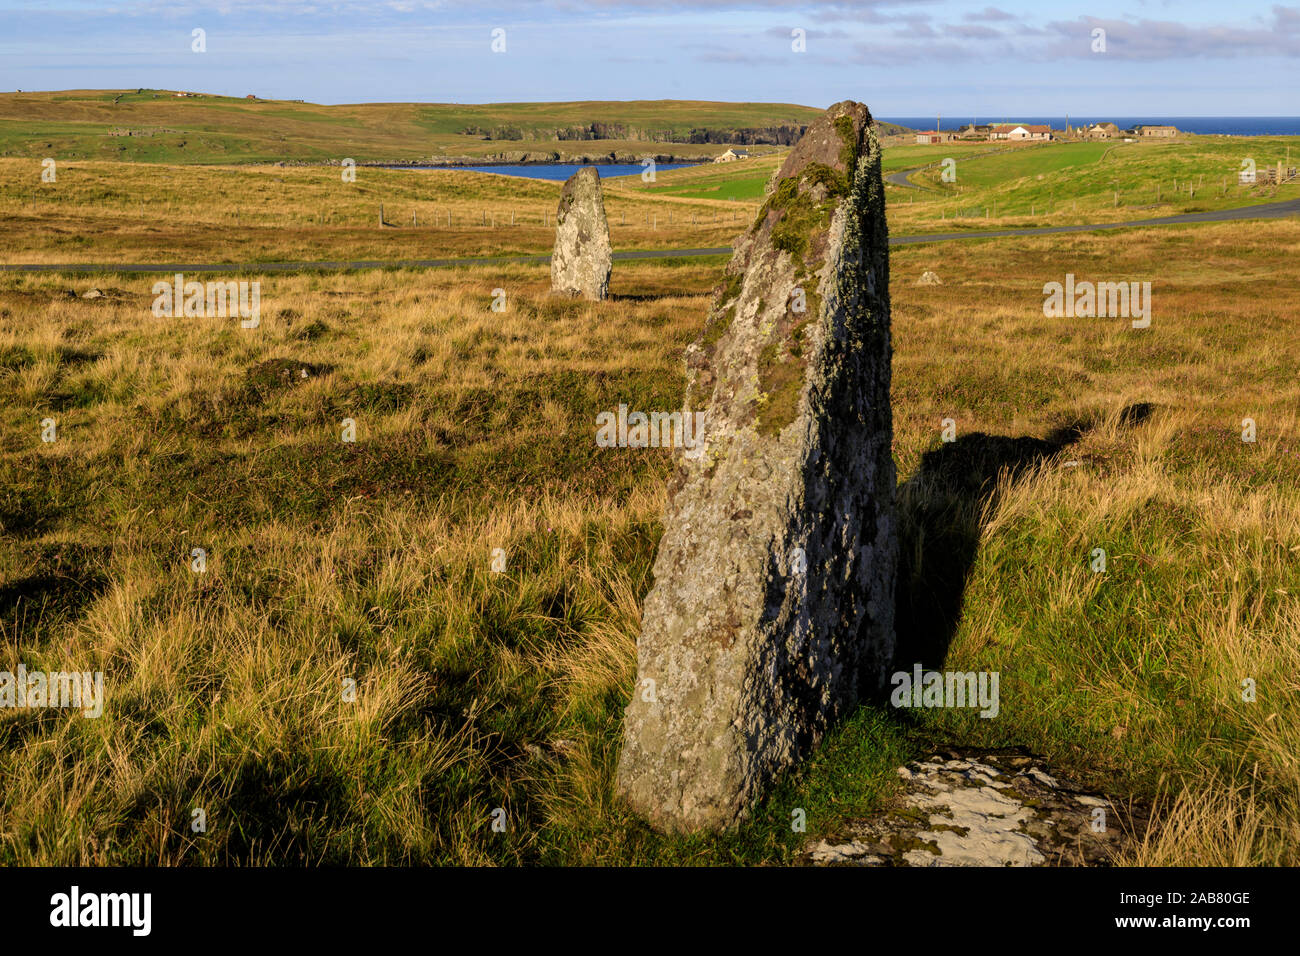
[
  {"x": 781, "y": 372},
  {"x": 797, "y": 335},
  {"x": 800, "y": 214},
  {"x": 783, "y": 363},
  {"x": 916, "y": 843},
  {"x": 780, "y": 377},
  {"x": 787, "y": 190},
  {"x": 835, "y": 181},
  {"x": 848, "y": 151},
  {"x": 913, "y": 813},
  {"x": 949, "y": 827},
  {"x": 717, "y": 326}
]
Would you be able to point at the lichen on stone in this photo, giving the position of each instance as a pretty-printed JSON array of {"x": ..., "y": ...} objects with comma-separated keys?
[
  {"x": 581, "y": 258},
  {"x": 753, "y": 662},
  {"x": 723, "y": 311}
]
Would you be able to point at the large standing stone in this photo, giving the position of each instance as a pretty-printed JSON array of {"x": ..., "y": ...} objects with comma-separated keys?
[
  {"x": 580, "y": 264},
  {"x": 771, "y": 613}
]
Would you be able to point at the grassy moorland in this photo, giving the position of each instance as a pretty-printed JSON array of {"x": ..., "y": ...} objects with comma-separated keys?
[
  {"x": 138, "y": 212},
  {"x": 371, "y": 560},
  {"x": 93, "y": 125},
  {"x": 134, "y": 212}
]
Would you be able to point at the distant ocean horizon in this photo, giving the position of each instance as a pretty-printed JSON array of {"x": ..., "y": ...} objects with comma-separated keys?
[{"x": 1205, "y": 125}]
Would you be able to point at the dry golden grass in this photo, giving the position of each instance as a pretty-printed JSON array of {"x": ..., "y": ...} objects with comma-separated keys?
[{"x": 138, "y": 213}]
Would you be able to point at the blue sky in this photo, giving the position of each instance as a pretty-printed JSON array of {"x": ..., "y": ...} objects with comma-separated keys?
[{"x": 910, "y": 58}]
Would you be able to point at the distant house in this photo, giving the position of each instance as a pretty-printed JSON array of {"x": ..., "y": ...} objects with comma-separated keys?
[
  {"x": 1031, "y": 132},
  {"x": 1020, "y": 131},
  {"x": 933, "y": 136},
  {"x": 1157, "y": 131},
  {"x": 732, "y": 155},
  {"x": 250, "y": 96},
  {"x": 1101, "y": 131}
]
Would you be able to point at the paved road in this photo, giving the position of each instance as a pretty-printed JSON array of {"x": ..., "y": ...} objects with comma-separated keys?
[
  {"x": 900, "y": 178},
  {"x": 1274, "y": 210}
]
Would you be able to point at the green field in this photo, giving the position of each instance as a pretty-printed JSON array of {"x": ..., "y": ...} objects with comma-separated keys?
[
  {"x": 742, "y": 180},
  {"x": 1137, "y": 171},
  {"x": 1025, "y": 162},
  {"x": 1068, "y": 182},
  {"x": 906, "y": 157}
]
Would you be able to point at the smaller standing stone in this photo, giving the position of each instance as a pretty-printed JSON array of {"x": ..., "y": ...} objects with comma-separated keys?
[{"x": 580, "y": 264}]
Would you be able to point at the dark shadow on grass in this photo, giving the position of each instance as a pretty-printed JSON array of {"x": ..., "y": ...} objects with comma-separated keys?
[
  {"x": 940, "y": 512},
  {"x": 60, "y": 585}
]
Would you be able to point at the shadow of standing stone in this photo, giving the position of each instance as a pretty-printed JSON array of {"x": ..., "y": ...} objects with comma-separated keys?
[
  {"x": 771, "y": 615},
  {"x": 580, "y": 262}
]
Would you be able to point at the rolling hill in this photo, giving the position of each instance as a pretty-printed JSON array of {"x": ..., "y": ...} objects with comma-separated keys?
[{"x": 161, "y": 126}]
